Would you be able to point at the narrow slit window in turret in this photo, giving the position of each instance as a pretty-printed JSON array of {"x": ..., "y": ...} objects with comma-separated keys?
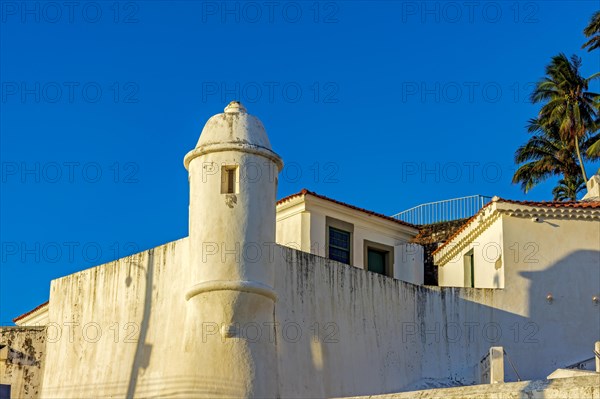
[{"x": 229, "y": 179}]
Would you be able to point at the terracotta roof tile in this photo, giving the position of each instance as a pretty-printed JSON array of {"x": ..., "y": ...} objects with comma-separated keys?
[
  {"x": 304, "y": 192},
  {"x": 30, "y": 312},
  {"x": 556, "y": 204}
]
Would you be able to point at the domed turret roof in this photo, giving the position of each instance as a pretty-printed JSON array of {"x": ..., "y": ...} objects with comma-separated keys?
[{"x": 234, "y": 130}]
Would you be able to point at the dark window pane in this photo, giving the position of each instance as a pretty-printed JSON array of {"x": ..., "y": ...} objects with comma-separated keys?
[
  {"x": 376, "y": 261},
  {"x": 339, "y": 238},
  {"x": 340, "y": 255},
  {"x": 339, "y": 245}
]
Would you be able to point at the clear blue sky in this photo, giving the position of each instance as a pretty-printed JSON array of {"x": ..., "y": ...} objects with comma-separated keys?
[{"x": 101, "y": 101}]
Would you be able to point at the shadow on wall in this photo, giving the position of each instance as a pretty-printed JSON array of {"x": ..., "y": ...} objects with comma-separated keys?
[
  {"x": 561, "y": 297},
  {"x": 554, "y": 324},
  {"x": 141, "y": 360},
  {"x": 343, "y": 331},
  {"x": 389, "y": 336}
]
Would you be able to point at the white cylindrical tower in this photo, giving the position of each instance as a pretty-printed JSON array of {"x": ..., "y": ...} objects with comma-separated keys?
[{"x": 230, "y": 302}]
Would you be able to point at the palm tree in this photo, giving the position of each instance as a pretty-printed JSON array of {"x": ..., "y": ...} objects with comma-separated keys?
[
  {"x": 568, "y": 188},
  {"x": 544, "y": 155},
  {"x": 593, "y": 151},
  {"x": 593, "y": 31},
  {"x": 568, "y": 103}
]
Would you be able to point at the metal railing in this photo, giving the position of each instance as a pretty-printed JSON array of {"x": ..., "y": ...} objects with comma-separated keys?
[
  {"x": 444, "y": 211},
  {"x": 512, "y": 365}
]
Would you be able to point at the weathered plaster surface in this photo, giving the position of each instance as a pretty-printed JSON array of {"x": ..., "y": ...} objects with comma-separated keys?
[
  {"x": 22, "y": 359},
  {"x": 393, "y": 336},
  {"x": 567, "y": 388},
  {"x": 116, "y": 330},
  {"x": 340, "y": 331}
]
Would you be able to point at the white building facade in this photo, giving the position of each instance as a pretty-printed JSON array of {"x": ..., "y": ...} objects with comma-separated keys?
[
  {"x": 313, "y": 223},
  {"x": 508, "y": 240}
]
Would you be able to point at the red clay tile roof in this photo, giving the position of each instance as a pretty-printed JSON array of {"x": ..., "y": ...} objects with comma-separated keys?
[
  {"x": 548, "y": 204},
  {"x": 30, "y": 312},
  {"x": 556, "y": 204},
  {"x": 304, "y": 192}
]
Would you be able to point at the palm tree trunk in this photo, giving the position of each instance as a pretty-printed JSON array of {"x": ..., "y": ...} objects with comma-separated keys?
[{"x": 585, "y": 179}]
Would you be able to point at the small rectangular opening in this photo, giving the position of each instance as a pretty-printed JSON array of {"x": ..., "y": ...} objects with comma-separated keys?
[
  {"x": 229, "y": 179},
  {"x": 376, "y": 261},
  {"x": 4, "y": 391},
  {"x": 379, "y": 258},
  {"x": 469, "y": 269}
]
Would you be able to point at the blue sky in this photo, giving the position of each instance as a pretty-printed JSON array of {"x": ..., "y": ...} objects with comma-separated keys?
[{"x": 384, "y": 105}]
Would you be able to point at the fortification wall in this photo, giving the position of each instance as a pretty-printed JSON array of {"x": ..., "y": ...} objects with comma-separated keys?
[{"x": 120, "y": 330}]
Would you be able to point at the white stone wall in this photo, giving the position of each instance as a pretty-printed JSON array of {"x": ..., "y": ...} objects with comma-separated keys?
[
  {"x": 560, "y": 258},
  {"x": 393, "y": 336},
  {"x": 576, "y": 388},
  {"x": 340, "y": 331},
  {"x": 409, "y": 263},
  {"x": 116, "y": 330},
  {"x": 289, "y": 230},
  {"x": 556, "y": 257}
]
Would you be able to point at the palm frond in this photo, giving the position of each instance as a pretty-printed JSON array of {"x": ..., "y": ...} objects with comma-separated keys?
[{"x": 593, "y": 31}]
